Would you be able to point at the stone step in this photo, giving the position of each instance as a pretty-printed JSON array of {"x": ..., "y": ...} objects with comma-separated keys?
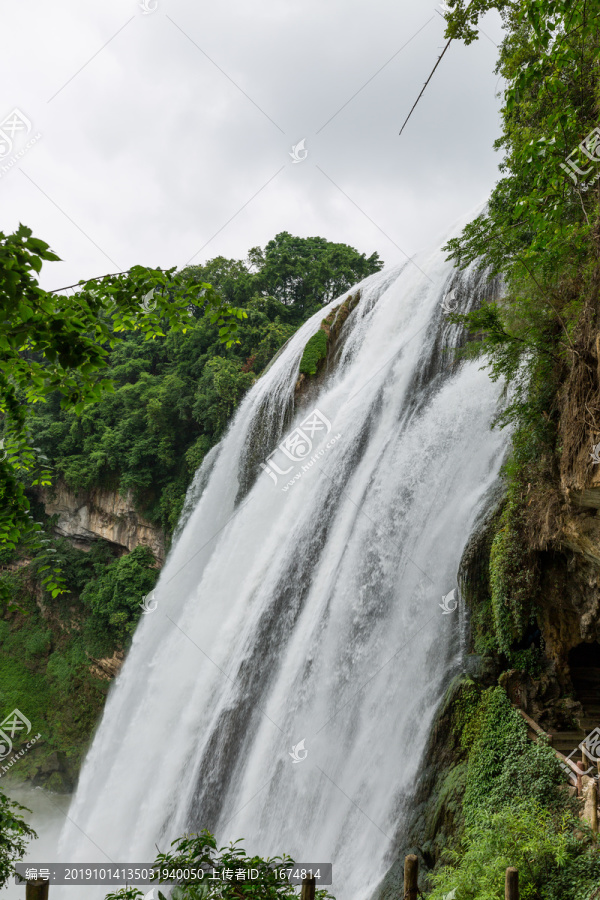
[
  {"x": 567, "y": 741},
  {"x": 588, "y": 723}
]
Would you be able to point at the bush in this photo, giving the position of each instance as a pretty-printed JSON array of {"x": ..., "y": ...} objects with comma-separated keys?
[
  {"x": 200, "y": 851},
  {"x": 14, "y": 836},
  {"x": 114, "y": 600},
  {"x": 553, "y": 862},
  {"x": 504, "y": 765}
]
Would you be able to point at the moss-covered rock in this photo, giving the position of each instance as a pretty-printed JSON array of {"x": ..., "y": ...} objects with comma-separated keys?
[
  {"x": 319, "y": 347},
  {"x": 314, "y": 353}
]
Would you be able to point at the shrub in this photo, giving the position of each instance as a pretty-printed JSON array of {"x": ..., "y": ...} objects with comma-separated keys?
[{"x": 114, "y": 600}]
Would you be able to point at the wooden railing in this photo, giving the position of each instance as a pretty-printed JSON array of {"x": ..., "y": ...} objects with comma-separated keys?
[{"x": 577, "y": 769}]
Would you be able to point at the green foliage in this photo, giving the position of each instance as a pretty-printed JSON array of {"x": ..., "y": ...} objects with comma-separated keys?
[
  {"x": 114, "y": 599},
  {"x": 538, "y": 230},
  {"x": 514, "y": 578},
  {"x": 535, "y": 219},
  {"x": 306, "y": 273},
  {"x": 200, "y": 851},
  {"x": 58, "y": 345},
  {"x": 15, "y": 834},
  {"x": 553, "y": 862},
  {"x": 464, "y": 709},
  {"x": 503, "y": 764},
  {"x": 314, "y": 352},
  {"x": 527, "y": 661},
  {"x": 45, "y": 658},
  {"x": 517, "y": 811}
]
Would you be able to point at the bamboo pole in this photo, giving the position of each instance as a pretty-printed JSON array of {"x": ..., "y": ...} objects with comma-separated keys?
[
  {"x": 411, "y": 877},
  {"x": 37, "y": 890},
  {"x": 308, "y": 889},
  {"x": 511, "y": 890}
]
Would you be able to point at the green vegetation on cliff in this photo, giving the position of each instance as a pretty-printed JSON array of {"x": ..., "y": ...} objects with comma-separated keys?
[
  {"x": 500, "y": 799},
  {"x": 515, "y": 809},
  {"x": 541, "y": 233},
  {"x": 57, "y": 655},
  {"x": 314, "y": 352}
]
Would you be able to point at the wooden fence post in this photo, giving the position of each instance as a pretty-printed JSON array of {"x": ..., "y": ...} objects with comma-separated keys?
[
  {"x": 582, "y": 767},
  {"x": 511, "y": 890},
  {"x": 308, "y": 889},
  {"x": 594, "y": 806},
  {"x": 37, "y": 890},
  {"x": 411, "y": 876}
]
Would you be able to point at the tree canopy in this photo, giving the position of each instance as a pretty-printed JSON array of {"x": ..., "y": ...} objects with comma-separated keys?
[{"x": 57, "y": 345}]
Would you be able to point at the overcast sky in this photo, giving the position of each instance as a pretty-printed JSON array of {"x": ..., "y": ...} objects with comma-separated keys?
[{"x": 166, "y": 134}]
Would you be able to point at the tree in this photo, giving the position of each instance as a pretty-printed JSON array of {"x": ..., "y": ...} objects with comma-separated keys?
[
  {"x": 301, "y": 274},
  {"x": 14, "y": 836},
  {"x": 540, "y": 227},
  {"x": 305, "y": 273},
  {"x": 199, "y": 852},
  {"x": 114, "y": 600}
]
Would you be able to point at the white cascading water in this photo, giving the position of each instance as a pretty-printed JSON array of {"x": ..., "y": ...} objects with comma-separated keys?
[{"x": 308, "y": 614}]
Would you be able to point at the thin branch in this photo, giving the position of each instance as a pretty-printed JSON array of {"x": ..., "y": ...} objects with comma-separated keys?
[{"x": 87, "y": 281}]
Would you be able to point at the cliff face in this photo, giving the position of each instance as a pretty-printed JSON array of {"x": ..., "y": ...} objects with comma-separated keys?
[{"x": 98, "y": 513}]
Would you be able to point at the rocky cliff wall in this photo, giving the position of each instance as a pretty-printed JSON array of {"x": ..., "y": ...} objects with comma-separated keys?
[{"x": 89, "y": 515}]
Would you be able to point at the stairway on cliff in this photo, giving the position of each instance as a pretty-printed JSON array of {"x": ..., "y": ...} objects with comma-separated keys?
[{"x": 584, "y": 665}]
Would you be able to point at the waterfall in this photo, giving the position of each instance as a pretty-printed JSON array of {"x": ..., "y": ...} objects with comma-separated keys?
[{"x": 305, "y": 607}]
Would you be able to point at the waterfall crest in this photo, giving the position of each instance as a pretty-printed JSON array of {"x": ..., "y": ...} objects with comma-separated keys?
[{"x": 305, "y": 607}]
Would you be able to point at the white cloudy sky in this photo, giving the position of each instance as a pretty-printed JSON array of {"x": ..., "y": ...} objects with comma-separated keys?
[{"x": 166, "y": 135}]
